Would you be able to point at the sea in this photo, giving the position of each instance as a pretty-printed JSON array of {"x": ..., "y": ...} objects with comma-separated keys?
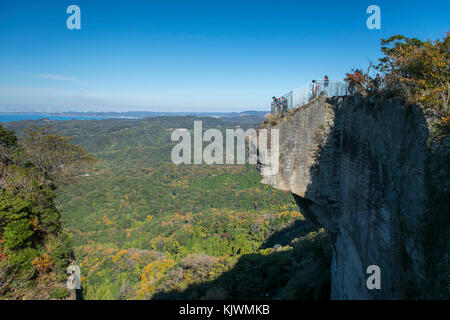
[{"x": 8, "y": 117}]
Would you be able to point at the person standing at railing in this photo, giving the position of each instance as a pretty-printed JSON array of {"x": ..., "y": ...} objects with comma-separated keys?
[
  {"x": 315, "y": 89},
  {"x": 377, "y": 83},
  {"x": 275, "y": 105},
  {"x": 284, "y": 105},
  {"x": 325, "y": 85}
]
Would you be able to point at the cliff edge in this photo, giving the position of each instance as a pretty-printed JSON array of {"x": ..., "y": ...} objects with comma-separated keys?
[{"x": 368, "y": 172}]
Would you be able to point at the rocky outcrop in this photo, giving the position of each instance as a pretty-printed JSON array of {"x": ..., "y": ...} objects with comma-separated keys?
[{"x": 366, "y": 172}]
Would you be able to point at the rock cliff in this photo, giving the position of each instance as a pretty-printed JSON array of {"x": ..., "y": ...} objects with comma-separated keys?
[{"x": 366, "y": 171}]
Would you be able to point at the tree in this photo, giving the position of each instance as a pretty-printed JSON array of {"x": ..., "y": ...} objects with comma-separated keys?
[
  {"x": 30, "y": 224},
  {"x": 54, "y": 155},
  {"x": 13, "y": 208},
  {"x": 8, "y": 140},
  {"x": 356, "y": 81},
  {"x": 17, "y": 233},
  {"x": 418, "y": 69}
]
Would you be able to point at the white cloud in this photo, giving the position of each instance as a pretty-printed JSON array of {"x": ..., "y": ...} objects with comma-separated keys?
[{"x": 55, "y": 77}]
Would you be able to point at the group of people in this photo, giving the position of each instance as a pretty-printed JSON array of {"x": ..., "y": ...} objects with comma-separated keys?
[
  {"x": 316, "y": 87},
  {"x": 363, "y": 82},
  {"x": 279, "y": 105},
  {"x": 374, "y": 85}
]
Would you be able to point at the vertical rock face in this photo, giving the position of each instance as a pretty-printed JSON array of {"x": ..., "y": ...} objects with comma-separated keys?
[{"x": 363, "y": 171}]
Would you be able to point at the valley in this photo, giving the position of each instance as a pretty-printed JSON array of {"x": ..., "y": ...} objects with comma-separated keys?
[{"x": 144, "y": 228}]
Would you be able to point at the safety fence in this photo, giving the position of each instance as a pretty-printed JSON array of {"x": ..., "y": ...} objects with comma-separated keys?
[{"x": 305, "y": 94}]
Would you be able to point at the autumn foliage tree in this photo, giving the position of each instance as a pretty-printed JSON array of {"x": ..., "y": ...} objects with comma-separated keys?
[
  {"x": 420, "y": 70},
  {"x": 54, "y": 155},
  {"x": 356, "y": 81}
]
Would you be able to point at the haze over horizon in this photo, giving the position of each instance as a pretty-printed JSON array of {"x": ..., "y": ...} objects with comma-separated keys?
[
  {"x": 211, "y": 56},
  {"x": 131, "y": 110}
]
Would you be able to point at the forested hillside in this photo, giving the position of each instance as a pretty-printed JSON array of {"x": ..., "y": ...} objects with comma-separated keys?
[
  {"x": 34, "y": 249},
  {"x": 145, "y": 228}
]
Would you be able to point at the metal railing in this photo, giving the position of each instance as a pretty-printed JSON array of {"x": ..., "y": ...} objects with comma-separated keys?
[{"x": 305, "y": 94}]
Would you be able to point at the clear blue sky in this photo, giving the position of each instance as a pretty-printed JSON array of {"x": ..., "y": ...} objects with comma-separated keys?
[{"x": 190, "y": 55}]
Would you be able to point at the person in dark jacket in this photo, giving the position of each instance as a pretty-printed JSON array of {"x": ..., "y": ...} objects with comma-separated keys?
[
  {"x": 284, "y": 105},
  {"x": 325, "y": 85},
  {"x": 275, "y": 105}
]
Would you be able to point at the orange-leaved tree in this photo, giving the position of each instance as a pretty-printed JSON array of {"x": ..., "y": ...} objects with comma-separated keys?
[{"x": 420, "y": 70}]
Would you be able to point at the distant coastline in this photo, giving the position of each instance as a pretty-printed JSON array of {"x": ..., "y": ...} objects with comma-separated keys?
[
  {"x": 10, "y": 117},
  {"x": 131, "y": 115}
]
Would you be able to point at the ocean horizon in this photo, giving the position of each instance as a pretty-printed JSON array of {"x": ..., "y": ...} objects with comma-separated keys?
[{"x": 11, "y": 117}]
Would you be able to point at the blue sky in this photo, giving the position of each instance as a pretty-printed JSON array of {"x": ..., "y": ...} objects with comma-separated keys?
[{"x": 190, "y": 55}]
